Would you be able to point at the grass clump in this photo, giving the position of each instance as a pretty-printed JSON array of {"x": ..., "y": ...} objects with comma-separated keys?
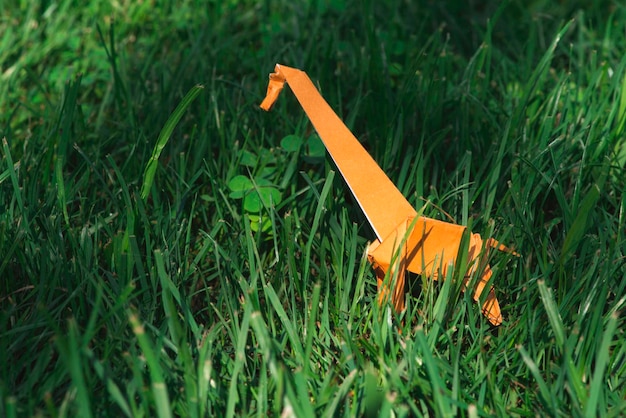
[{"x": 140, "y": 278}]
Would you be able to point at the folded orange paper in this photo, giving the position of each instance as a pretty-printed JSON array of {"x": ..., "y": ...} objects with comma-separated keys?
[{"x": 423, "y": 245}]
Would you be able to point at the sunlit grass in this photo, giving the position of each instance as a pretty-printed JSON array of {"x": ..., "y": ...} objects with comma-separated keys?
[{"x": 137, "y": 279}]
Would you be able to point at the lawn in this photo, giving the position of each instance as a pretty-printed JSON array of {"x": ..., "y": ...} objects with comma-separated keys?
[{"x": 141, "y": 273}]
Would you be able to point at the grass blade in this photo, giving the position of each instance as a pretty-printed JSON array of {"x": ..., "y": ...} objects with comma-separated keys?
[
  {"x": 159, "y": 389},
  {"x": 240, "y": 361},
  {"x": 286, "y": 322},
  {"x": 548, "y": 399},
  {"x": 12, "y": 173},
  {"x": 316, "y": 220},
  {"x": 553, "y": 313},
  {"x": 164, "y": 137},
  {"x": 579, "y": 226},
  {"x": 602, "y": 359},
  {"x": 70, "y": 349}
]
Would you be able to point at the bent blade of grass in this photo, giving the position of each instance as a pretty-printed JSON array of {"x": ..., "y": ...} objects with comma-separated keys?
[{"x": 164, "y": 137}]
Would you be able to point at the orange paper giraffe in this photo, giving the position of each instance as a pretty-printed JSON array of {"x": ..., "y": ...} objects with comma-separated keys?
[{"x": 423, "y": 245}]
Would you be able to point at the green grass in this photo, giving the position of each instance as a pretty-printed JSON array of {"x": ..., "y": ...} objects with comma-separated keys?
[{"x": 141, "y": 275}]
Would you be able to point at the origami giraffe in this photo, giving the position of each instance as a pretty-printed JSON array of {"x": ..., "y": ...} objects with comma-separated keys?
[{"x": 405, "y": 241}]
